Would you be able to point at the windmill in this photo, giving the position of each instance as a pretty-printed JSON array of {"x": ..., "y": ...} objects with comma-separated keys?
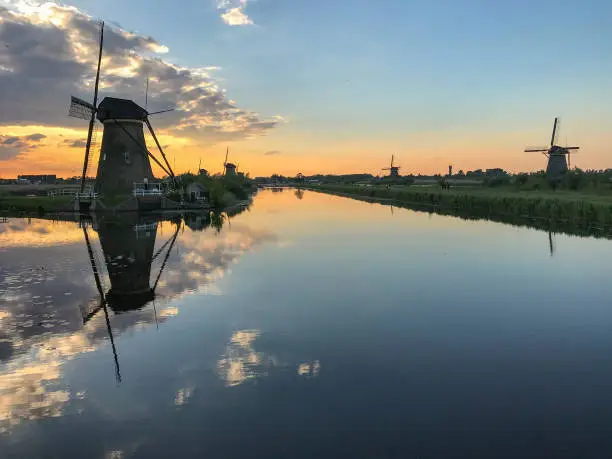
[
  {"x": 393, "y": 170},
  {"x": 557, "y": 162},
  {"x": 229, "y": 168},
  {"x": 124, "y": 158}
]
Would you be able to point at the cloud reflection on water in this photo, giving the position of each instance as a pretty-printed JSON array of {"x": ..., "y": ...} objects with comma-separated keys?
[{"x": 43, "y": 289}]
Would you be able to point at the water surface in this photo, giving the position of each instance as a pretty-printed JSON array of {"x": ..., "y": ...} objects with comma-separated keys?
[{"x": 307, "y": 326}]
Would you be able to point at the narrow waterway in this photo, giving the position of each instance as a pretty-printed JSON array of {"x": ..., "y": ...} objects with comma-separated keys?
[{"x": 306, "y": 326}]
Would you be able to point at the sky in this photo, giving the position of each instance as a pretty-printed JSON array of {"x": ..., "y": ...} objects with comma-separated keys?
[{"x": 314, "y": 86}]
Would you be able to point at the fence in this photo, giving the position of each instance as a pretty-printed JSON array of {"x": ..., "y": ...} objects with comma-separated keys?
[
  {"x": 147, "y": 189},
  {"x": 88, "y": 193}
]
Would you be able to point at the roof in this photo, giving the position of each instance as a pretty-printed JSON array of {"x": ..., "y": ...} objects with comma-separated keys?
[
  {"x": 120, "y": 109},
  {"x": 230, "y": 165}
]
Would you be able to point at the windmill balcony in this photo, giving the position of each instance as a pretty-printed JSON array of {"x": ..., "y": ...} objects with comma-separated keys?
[
  {"x": 88, "y": 193},
  {"x": 147, "y": 189}
]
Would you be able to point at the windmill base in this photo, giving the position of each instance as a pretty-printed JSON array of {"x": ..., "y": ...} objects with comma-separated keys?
[
  {"x": 557, "y": 166},
  {"x": 135, "y": 204}
]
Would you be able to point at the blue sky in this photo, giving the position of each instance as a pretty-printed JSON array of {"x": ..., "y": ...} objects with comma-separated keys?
[
  {"x": 350, "y": 62},
  {"x": 401, "y": 73}
]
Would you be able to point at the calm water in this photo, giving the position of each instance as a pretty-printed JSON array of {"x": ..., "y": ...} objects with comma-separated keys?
[{"x": 307, "y": 326}]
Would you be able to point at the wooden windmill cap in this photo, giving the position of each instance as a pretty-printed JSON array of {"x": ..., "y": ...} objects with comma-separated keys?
[{"x": 112, "y": 108}]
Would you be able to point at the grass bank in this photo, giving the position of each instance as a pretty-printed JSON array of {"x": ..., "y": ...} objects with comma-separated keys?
[
  {"x": 35, "y": 204},
  {"x": 563, "y": 211}
]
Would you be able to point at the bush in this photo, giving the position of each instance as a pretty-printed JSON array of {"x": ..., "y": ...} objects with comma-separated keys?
[
  {"x": 522, "y": 179},
  {"x": 497, "y": 181},
  {"x": 575, "y": 180}
]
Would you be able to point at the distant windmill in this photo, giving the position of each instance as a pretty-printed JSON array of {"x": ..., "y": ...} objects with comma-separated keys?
[
  {"x": 393, "y": 170},
  {"x": 557, "y": 163},
  {"x": 124, "y": 157},
  {"x": 229, "y": 168}
]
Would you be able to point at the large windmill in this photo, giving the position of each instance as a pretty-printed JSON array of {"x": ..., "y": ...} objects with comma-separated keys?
[
  {"x": 557, "y": 162},
  {"x": 124, "y": 157},
  {"x": 393, "y": 170}
]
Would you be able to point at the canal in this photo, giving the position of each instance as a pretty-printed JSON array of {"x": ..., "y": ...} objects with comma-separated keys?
[{"x": 307, "y": 325}]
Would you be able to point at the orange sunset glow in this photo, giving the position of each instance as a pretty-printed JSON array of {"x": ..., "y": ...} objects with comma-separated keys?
[{"x": 334, "y": 124}]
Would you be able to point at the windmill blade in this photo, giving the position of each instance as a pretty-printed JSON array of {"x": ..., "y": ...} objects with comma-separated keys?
[
  {"x": 392, "y": 157},
  {"x": 93, "y": 111},
  {"x": 92, "y": 122},
  {"x": 161, "y": 111},
  {"x": 537, "y": 149},
  {"x": 112, "y": 340},
  {"x": 96, "y": 273},
  {"x": 161, "y": 150},
  {"x": 95, "y": 103},
  {"x": 143, "y": 148},
  {"x": 163, "y": 265},
  {"x": 572, "y": 148},
  {"x": 555, "y": 132},
  {"x": 147, "y": 93},
  {"x": 80, "y": 109},
  {"x": 226, "y": 155}
]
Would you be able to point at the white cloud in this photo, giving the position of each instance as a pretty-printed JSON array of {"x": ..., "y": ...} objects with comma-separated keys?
[
  {"x": 51, "y": 51},
  {"x": 235, "y": 17},
  {"x": 233, "y": 12}
]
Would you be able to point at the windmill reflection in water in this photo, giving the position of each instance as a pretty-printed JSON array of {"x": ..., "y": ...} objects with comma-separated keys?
[{"x": 128, "y": 249}]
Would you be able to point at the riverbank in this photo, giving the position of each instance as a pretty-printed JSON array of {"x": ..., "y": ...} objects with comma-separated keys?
[
  {"x": 37, "y": 205},
  {"x": 216, "y": 193},
  {"x": 563, "y": 211}
]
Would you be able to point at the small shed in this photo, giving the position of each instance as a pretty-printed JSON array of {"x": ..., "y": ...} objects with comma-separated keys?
[{"x": 197, "y": 192}]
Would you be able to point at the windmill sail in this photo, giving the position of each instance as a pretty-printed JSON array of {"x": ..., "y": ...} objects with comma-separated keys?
[
  {"x": 161, "y": 150},
  {"x": 555, "y": 133},
  {"x": 80, "y": 109},
  {"x": 92, "y": 120}
]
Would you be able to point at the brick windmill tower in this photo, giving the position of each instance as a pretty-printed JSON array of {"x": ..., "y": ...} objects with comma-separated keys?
[{"x": 124, "y": 158}]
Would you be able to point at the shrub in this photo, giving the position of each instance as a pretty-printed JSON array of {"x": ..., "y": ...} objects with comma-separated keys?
[
  {"x": 576, "y": 180},
  {"x": 497, "y": 181},
  {"x": 522, "y": 179}
]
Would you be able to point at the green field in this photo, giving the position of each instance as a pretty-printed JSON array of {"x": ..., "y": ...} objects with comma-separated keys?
[{"x": 573, "y": 207}]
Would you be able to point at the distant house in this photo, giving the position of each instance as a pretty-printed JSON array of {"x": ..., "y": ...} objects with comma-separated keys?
[
  {"x": 497, "y": 172},
  {"x": 197, "y": 192}
]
